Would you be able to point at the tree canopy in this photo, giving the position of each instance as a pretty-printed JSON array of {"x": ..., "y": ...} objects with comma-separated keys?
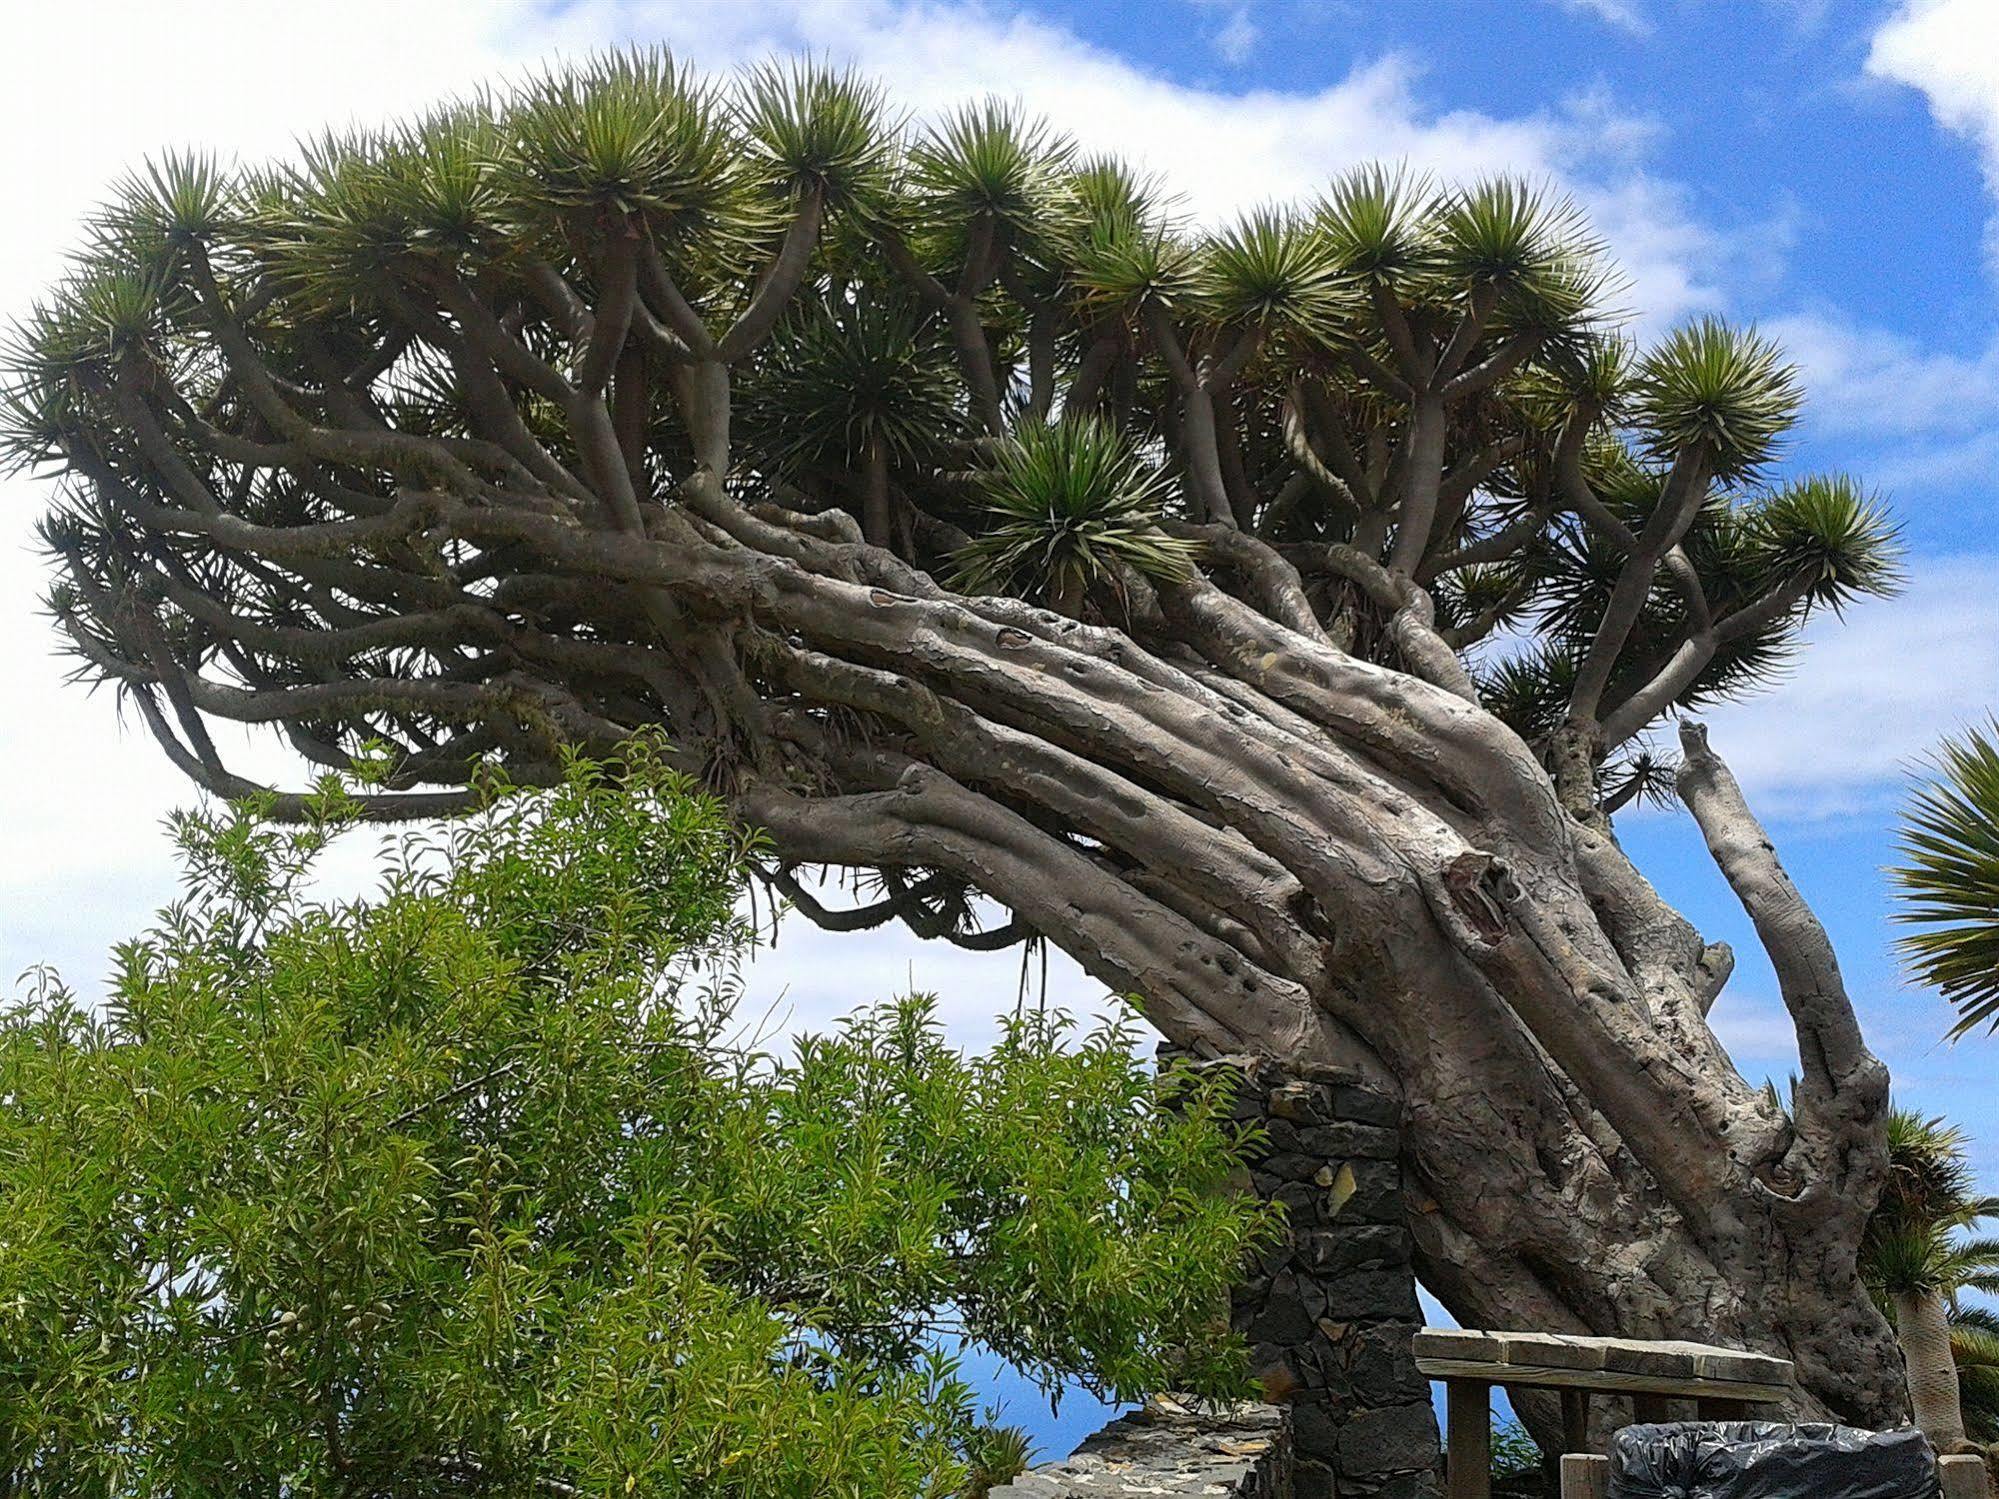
[
  {"x": 280, "y": 395},
  {"x": 475, "y": 1185}
]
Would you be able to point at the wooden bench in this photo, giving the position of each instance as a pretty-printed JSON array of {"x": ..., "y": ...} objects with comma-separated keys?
[{"x": 1725, "y": 1384}]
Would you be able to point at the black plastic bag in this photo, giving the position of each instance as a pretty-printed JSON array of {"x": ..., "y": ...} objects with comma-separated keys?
[{"x": 1770, "y": 1460}]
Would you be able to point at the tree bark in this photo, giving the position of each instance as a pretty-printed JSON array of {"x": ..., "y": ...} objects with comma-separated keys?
[{"x": 1922, "y": 1327}]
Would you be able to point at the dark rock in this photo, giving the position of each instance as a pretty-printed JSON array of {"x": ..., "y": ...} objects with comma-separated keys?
[
  {"x": 1364, "y": 1246},
  {"x": 1316, "y": 1429},
  {"x": 1283, "y": 1319},
  {"x": 1338, "y": 1141},
  {"x": 1172, "y": 1448},
  {"x": 1362, "y": 1294},
  {"x": 1363, "y": 1192},
  {"x": 1398, "y": 1486},
  {"x": 1300, "y": 1199},
  {"x": 1289, "y": 1167},
  {"x": 1366, "y": 1106},
  {"x": 1394, "y": 1439},
  {"x": 1302, "y": 1103},
  {"x": 1330, "y": 1311},
  {"x": 1380, "y": 1366},
  {"x": 1280, "y": 1136}
]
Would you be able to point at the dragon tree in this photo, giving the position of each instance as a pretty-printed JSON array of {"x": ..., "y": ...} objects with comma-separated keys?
[{"x": 1273, "y": 616}]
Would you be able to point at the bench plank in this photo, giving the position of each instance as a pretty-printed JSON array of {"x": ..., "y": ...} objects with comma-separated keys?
[
  {"x": 1608, "y": 1381},
  {"x": 1619, "y": 1365}
]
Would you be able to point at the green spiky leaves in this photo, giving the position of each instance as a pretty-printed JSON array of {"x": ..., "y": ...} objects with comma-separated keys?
[
  {"x": 1725, "y": 391},
  {"x": 1830, "y": 536},
  {"x": 1271, "y": 270},
  {"x": 849, "y": 374},
  {"x": 1949, "y": 879},
  {"x": 777, "y": 276},
  {"x": 1914, "y": 1243},
  {"x": 1070, "y": 503},
  {"x": 181, "y": 197},
  {"x": 1373, "y": 222},
  {"x": 987, "y": 159},
  {"x": 817, "y": 128},
  {"x": 633, "y": 133}
]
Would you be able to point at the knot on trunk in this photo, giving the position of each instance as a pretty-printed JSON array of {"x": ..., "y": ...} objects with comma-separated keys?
[{"x": 1481, "y": 888}]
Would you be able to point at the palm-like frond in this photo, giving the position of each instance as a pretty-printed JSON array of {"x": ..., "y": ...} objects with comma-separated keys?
[
  {"x": 1949, "y": 879},
  {"x": 1529, "y": 693},
  {"x": 1914, "y": 1241},
  {"x": 1974, "y": 1348}
]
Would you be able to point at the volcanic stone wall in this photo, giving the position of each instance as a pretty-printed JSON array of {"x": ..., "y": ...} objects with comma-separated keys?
[{"x": 1330, "y": 1312}]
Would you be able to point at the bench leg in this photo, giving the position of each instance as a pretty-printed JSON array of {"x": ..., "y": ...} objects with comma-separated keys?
[
  {"x": 1724, "y": 1410},
  {"x": 1650, "y": 1409},
  {"x": 1585, "y": 1475},
  {"x": 1468, "y": 1438},
  {"x": 1575, "y": 1421}
]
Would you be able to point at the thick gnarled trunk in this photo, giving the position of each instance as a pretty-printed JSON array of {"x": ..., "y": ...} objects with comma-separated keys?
[{"x": 1283, "y": 849}]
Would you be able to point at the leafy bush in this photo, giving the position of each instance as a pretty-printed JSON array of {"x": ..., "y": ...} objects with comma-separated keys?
[
  {"x": 474, "y": 1186},
  {"x": 1517, "y": 1471}
]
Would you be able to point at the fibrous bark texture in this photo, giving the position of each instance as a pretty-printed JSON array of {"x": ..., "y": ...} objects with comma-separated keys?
[{"x": 1273, "y": 619}]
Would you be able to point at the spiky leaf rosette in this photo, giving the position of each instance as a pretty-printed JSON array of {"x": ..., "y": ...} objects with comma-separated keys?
[
  {"x": 818, "y": 129},
  {"x": 1949, "y": 879},
  {"x": 1374, "y": 225},
  {"x": 1722, "y": 391},
  {"x": 1829, "y": 538},
  {"x": 1272, "y": 270},
  {"x": 1069, "y": 504},
  {"x": 1915, "y": 1241},
  {"x": 849, "y": 373}
]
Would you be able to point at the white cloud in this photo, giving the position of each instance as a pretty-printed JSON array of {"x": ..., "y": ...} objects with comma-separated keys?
[
  {"x": 1623, "y": 14},
  {"x": 1949, "y": 50},
  {"x": 1237, "y": 38},
  {"x": 81, "y": 798},
  {"x": 1920, "y": 420},
  {"x": 1864, "y": 381},
  {"x": 1222, "y": 150},
  {"x": 1871, "y": 695},
  {"x": 1757, "y": 1031}
]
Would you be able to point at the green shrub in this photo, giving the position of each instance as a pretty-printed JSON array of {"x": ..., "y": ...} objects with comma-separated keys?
[{"x": 473, "y": 1186}]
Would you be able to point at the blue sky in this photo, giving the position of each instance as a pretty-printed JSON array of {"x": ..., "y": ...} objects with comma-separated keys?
[{"x": 1826, "y": 167}]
